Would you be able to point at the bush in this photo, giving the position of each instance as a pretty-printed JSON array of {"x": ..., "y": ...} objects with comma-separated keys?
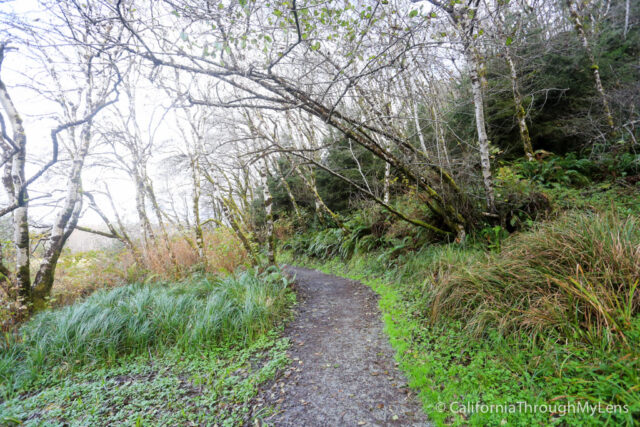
[
  {"x": 137, "y": 319},
  {"x": 571, "y": 170},
  {"x": 366, "y": 230},
  {"x": 223, "y": 253}
]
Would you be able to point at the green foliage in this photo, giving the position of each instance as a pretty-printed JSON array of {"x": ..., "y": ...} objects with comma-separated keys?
[
  {"x": 336, "y": 193},
  {"x": 549, "y": 316},
  {"x": 571, "y": 170},
  {"x": 204, "y": 387},
  {"x": 196, "y": 314},
  {"x": 519, "y": 203},
  {"x": 368, "y": 229},
  {"x": 555, "y": 77},
  {"x": 494, "y": 236}
]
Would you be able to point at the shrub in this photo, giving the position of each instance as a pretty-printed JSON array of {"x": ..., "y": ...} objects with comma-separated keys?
[
  {"x": 223, "y": 253},
  {"x": 580, "y": 171},
  {"x": 367, "y": 229}
]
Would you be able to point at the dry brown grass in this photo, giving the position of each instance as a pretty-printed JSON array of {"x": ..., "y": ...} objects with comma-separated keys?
[
  {"x": 223, "y": 254},
  {"x": 80, "y": 274}
]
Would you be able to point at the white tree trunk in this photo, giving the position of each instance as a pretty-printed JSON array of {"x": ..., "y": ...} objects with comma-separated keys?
[
  {"x": 13, "y": 183},
  {"x": 520, "y": 113},
  {"x": 594, "y": 66},
  {"x": 195, "y": 175},
  {"x": 627, "y": 11},
  {"x": 387, "y": 182},
  {"x": 483, "y": 140},
  {"x": 147, "y": 231},
  {"x": 416, "y": 120},
  {"x": 65, "y": 222}
]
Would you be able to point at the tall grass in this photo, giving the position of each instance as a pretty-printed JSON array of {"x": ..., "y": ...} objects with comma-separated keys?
[
  {"x": 138, "y": 319},
  {"x": 80, "y": 274},
  {"x": 575, "y": 277}
]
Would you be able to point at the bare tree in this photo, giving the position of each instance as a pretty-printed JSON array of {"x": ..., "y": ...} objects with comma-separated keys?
[
  {"x": 298, "y": 72},
  {"x": 99, "y": 80}
]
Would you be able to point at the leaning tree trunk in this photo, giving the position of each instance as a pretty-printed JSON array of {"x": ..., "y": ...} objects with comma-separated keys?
[
  {"x": 64, "y": 224},
  {"x": 319, "y": 203},
  {"x": 594, "y": 65},
  {"x": 287, "y": 187},
  {"x": 416, "y": 120},
  {"x": 237, "y": 229},
  {"x": 158, "y": 213}
]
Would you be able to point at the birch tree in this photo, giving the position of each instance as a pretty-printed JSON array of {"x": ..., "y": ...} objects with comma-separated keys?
[
  {"x": 96, "y": 81},
  {"x": 276, "y": 60},
  {"x": 464, "y": 17},
  {"x": 505, "y": 40},
  {"x": 574, "y": 13}
]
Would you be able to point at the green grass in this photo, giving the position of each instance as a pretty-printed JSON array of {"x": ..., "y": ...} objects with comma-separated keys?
[
  {"x": 192, "y": 352},
  {"x": 455, "y": 318}
]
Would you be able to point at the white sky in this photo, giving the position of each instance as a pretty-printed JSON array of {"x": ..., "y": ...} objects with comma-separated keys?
[{"x": 37, "y": 114}]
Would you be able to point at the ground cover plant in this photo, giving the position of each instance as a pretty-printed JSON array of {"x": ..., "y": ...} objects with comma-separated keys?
[{"x": 206, "y": 339}]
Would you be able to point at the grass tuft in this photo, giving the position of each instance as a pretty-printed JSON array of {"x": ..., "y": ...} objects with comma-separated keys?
[
  {"x": 195, "y": 314},
  {"x": 573, "y": 277}
]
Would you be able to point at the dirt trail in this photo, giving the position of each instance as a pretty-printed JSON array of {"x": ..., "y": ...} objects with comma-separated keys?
[{"x": 343, "y": 371}]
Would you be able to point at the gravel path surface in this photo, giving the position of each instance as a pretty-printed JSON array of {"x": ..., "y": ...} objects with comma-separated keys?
[{"x": 343, "y": 371}]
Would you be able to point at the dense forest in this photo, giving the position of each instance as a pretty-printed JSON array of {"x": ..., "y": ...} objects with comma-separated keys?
[{"x": 171, "y": 169}]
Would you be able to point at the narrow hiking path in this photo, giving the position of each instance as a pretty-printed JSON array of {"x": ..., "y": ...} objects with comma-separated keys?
[{"x": 343, "y": 372}]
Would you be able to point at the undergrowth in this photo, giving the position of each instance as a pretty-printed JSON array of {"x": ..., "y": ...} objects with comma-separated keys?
[
  {"x": 197, "y": 314},
  {"x": 575, "y": 277},
  {"x": 215, "y": 386}
]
